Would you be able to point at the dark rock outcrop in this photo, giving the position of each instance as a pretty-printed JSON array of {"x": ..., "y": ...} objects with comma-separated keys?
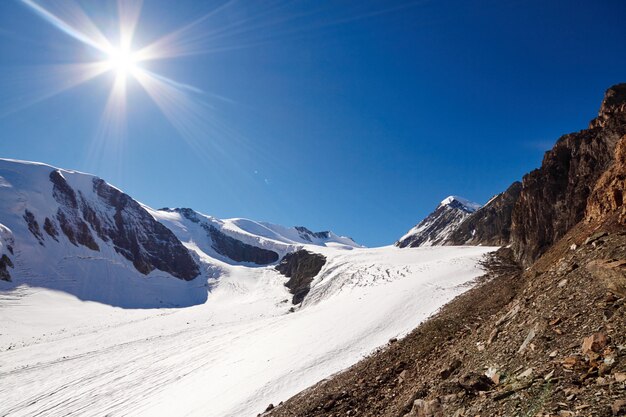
[
  {"x": 33, "y": 226},
  {"x": 50, "y": 228},
  {"x": 307, "y": 234},
  {"x": 68, "y": 216},
  {"x": 490, "y": 225},
  {"x": 237, "y": 250},
  {"x": 117, "y": 218},
  {"x": 5, "y": 263},
  {"x": 138, "y": 236},
  {"x": 554, "y": 197},
  {"x": 300, "y": 267},
  {"x": 228, "y": 246}
]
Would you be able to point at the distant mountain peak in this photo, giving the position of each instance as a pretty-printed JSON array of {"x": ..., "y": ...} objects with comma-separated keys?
[
  {"x": 455, "y": 201},
  {"x": 440, "y": 224}
]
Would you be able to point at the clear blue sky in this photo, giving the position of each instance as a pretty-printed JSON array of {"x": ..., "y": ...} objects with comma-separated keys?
[{"x": 353, "y": 116}]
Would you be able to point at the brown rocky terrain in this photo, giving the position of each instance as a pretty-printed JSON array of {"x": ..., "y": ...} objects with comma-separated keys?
[{"x": 547, "y": 339}]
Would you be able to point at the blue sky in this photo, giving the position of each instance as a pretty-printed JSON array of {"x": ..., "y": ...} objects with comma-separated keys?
[{"x": 353, "y": 116}]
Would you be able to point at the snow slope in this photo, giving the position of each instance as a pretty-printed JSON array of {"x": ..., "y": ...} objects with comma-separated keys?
[{"x": 229, "y": 356}]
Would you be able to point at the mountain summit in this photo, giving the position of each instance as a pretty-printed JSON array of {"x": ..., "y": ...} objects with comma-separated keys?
[{"x": 438, "y": 225}]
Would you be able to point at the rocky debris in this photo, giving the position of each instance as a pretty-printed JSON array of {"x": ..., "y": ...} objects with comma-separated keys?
[
  {"x": 5, "y": 263},
  {"x": 491, "y": 224},
  {"x": 33, "y": 226},
  {"x": 473, "y": 382},
  {"x": 619, "y": 408},
  {"x": 554, "y": 197},
  {"x": 300, "y": 267},
  {"x": 436, "y": 228},
  {"x": 422, "y": 408},
  {"x": 611, "y": 273}
]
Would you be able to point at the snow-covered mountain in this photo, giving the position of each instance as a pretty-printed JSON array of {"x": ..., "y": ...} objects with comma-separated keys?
[
  {"x": 269, "y": 310},
  {"x": 74, "y": 232},
  {"x": 437, "y": 227}
]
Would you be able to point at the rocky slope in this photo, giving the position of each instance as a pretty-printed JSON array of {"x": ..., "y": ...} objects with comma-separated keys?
[
  {"x": 545, "y": 340},
  {"x": 437, "y": 227},
  {"x": 490, "y": 225}
]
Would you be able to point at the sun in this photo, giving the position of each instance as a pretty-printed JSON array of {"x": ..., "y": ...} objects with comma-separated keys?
[{"x": 123, "y": 61}]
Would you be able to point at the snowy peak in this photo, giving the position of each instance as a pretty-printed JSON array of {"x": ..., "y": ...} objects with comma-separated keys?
[
  {"x": 460, "y": 203},
  {"x": 436, "y": 228},
  {"x": 74, "y": 232}
]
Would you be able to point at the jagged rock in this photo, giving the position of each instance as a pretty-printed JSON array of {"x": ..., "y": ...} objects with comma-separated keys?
[
  {"x": 300, "y": 267},
  {"x": 554, "y": 197},
  {"x": 608, "y": 198},
  {"x": 449, "y": 370},
  {"x": 50, "y": 229},
  {"x": 595, "y": 343},
  {"x": 611, "y": 273},
  {"x": 33, "y": 226},
  {"x": 140, "y": 238},
  {"x": 5, "y": 263},
  {"x": 619, "y": 408},
  {"x": 613, "y": 107},
  {"x": 68, "y": 215},
  {"x": 474, "y": 382},
  {"x": 491, "y": 224},
  {"x": 422, "y": 408}
]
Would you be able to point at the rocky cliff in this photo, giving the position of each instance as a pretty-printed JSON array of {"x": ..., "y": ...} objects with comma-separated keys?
[
  {"x": 554, "y": 197},
  {"x": 608, "y": 199},
  {"x": 490, "y": 225}
]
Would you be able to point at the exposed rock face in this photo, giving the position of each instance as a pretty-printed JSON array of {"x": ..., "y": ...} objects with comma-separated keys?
[
  {"x": 51, "y": 229},
  {"x": 117, "y": 218},
  {"x": 490, "y": 225},
  {"x": 554, "y": 197},
  {"x": 70, "y": 221},
  {"x": 237, "y": 250},
  {"x": 300, "y": 267},
  {"x": 230, "y": 247},
  {"x": 33, "y": 226},
  {"x": 438, "y": 226},
  {"x": 307, "y": 234},
  {"x": 138, "y": 236},
  {"x": 608, "y": 199},
  {"x": 5, "y": 263},
  {"x": 613, "y": 108}
]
